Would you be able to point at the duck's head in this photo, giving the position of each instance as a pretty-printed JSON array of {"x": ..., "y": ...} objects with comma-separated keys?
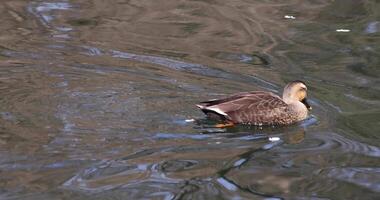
[{"x": 296, "y": 91}]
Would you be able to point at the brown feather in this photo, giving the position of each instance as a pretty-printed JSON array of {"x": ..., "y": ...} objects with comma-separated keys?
[
  {"x": 260, "y": 107},
  {"x": 256, "y": 107}
]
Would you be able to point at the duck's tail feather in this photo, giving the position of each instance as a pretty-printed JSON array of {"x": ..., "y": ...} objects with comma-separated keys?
[{"x": 213, "y": 113}]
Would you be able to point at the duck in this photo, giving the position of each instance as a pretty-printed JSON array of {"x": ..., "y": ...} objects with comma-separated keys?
[{"x": 260, "y": 108}]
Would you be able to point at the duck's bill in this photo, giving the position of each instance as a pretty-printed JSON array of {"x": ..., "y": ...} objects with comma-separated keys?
[{"x": 304, "y": 101}]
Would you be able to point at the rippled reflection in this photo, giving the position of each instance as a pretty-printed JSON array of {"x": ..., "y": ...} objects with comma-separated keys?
[{"x": 97, "y": 99}]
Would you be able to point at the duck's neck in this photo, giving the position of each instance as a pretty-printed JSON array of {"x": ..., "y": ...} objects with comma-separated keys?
[{"x": 288, "y": 99}]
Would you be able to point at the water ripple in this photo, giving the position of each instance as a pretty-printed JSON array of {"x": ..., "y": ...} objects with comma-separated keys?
[
  {"x": 365, "y": 177},
  {"x": 329, "y": 141},
  {"x": 42, "y": 10}
]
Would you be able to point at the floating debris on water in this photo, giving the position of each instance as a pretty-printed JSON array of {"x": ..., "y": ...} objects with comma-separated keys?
[
  {"x": 289, "y": 17},
  {"x": 343, "y": 30},
  {"x": 274, "y": 139}
]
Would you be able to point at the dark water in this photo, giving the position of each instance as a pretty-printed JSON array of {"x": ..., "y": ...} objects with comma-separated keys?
[{"x": 96, "y": 97}]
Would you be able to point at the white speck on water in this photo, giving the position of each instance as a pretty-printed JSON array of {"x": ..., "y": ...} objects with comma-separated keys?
[
  {"x": 189, "y": 120},
  {"x": 274, "y": 139},
  {"x": 289, "y": 17},
  {"x": 343, "y": 30}
]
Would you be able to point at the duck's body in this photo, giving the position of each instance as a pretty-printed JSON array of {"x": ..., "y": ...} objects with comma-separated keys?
[{"x": 260, "y": 107}]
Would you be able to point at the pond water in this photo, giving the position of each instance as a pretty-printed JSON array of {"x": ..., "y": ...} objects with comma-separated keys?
[{"x": 97, "y": 99}]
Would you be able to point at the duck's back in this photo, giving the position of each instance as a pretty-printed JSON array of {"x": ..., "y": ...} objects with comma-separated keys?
[{"x": 258, "y": 108}]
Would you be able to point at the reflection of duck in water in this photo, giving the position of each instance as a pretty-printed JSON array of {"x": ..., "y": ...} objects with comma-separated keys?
[{"x": 260, "y": 107}]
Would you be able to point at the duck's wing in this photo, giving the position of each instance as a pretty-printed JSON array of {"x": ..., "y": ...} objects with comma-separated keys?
[
  {"x": 249, "y": 107},
  {"x": 231, "y": 98}
]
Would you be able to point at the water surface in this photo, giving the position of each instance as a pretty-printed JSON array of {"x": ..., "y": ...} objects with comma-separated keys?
[{"x": 97, "y": 99}]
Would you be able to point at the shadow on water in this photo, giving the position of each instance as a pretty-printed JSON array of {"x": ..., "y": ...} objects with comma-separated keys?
[{"x": 96, "y": 99}]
